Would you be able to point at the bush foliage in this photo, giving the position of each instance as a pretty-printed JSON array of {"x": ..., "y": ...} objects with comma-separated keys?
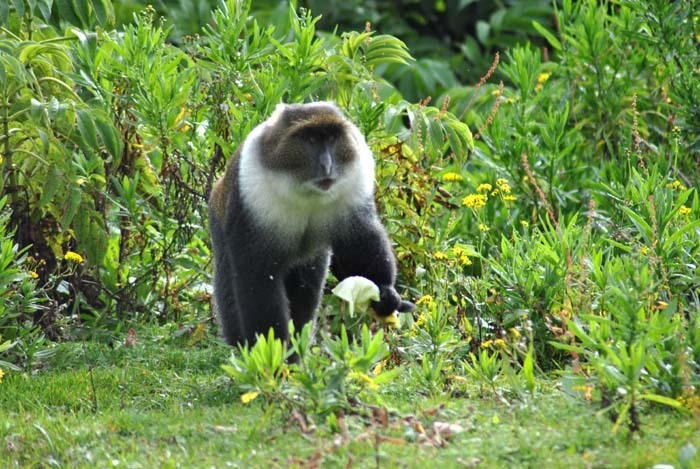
[{"x": 544, "y": 217}]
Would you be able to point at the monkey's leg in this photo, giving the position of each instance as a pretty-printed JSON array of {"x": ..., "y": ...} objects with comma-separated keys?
[
  {"x": 225, "y": 301},
  {"x": 304, "y": 286},
  {"x": 261, "y": 299}
]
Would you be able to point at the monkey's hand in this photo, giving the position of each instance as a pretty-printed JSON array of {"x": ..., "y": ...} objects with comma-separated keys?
[{"x": 390, "y": 301}]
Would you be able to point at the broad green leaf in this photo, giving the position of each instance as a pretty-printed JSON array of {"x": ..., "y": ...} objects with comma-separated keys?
[
  {"x": 45, "y": 9},
  {"x": 53, "y": 181},
  {"x": 19, "y": 7},
  {"x": 87, "y": 128},
  {"x": 82, "y": 11},
  {"x": 71, "y": 207},
  {"x": 65, "y": 12},
  {"x": 4, "y": 13},
  {"x": 100, "y": 7},
  {"x": 482, "y": 31},
  {"x": 37, "y": 109},
  {"x": 110, "y": 138}
]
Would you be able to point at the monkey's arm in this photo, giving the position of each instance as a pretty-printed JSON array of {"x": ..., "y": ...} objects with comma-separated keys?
[{"x": 361, "y": 247}]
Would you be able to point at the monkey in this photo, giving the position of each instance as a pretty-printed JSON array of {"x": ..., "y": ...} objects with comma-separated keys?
[{"x": 296, "y": 198}]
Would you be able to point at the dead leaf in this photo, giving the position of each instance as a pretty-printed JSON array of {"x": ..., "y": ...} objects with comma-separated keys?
[
  {"x": 224, "y": 429},
  {"x": 447, "y": 430}
]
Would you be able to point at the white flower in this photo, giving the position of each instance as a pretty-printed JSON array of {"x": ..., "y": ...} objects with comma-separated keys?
[{"x": 358, "y": 292}]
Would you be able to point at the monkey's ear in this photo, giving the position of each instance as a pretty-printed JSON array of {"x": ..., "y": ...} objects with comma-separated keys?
[
  {"x": 406, "y": 307},
  {"x": 277, "y": 113}
]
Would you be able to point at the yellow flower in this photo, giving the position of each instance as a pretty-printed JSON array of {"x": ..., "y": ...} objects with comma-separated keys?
[
  {"x": 514, "y": 333},
  {"x": 464, "y": 260},
  {"x": 503, "y": 185},
  {"x": 644, "y": 250},
  {"x": 539, "y": 87},
  {"x": 441, "y": 256},
  {"x": 543, "y": 77},
  {"x": 364, "y": 380},
  {"x": 33, "y": 274},
  {"x": 484, "y": 188},
  {"x": 676, "y": 185},
  {"x": 510, "y": 198},
  {"x": 483, "y": 227},
  {"x": 74, "y": 257},
  {"x": 2, "y": 373},
  {"x": 420, "y": 321},
  {"x": 487, "y": 343},
  {"x": 475, "y": 201},
  {"x": 684, "y": 210},
  {"x": 500, "y": 343},
  {"x": 426, "y": 300},
  {"x": 452, "y": 177},
  {"x": 525, "y": 223},
  {"x": 249, "y": 396}
]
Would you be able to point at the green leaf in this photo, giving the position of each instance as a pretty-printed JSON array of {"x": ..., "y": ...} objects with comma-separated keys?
[
  {"x": 553, "y": 41},
  {"x": 662, "y": 400},
  {"x": 82, "y": 11},
  {"x": 65, "y": 12},
  {"x": 110, "y": 138},
  {"x": 19, "y": 7},
  {"x": 482, "y": 31},
  {"x": 87, "y": 128},
  {"x": 51, "y": 184},
  {"x": 45, "y": 9},
  {"x": 100, "y": 7},
  {"x": 71, "y": 207},
  {"x": 4, "y": 14}
]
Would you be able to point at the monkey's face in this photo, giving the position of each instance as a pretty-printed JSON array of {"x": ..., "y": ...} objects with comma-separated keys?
[
  {"x": 316, "y": 148},
  {"x": 319, "y": 155}
]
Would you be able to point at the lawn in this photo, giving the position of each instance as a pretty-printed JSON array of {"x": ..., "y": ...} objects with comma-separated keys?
[{"x": 162, "y": 403}]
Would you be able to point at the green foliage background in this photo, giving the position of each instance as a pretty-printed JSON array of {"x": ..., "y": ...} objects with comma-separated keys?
[{"x": 537, "y": 169}]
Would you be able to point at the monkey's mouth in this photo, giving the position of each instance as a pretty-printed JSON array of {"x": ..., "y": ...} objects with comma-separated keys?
[{"x": 324, "y": 183}]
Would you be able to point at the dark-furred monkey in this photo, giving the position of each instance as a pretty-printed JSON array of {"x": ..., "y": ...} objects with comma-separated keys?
[{"x": 297, "y": 196}]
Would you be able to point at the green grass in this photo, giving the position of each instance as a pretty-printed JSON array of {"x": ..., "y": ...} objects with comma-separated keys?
[{"x": 165, "y": 404}]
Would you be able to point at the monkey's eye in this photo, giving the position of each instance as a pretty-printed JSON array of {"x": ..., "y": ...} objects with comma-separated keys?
[{"x": 312, "y": 139}]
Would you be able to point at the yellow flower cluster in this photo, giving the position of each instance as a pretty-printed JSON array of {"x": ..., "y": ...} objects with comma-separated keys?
[
  {"x": 452, "y": 177},
  {"x": 475, "y": 201},
  {"x": 461, "y": 255},
  {"x": 74, "y": 257},
  {"x": 502, "y": 187},
  {"x": 497, "y": 343},
  {"x": 426, "y": 300},
  {"x": 676, "y": 186},
  {"x": 458, "y": 253},
  {"x": 684, "y": 210},
  {"x": 363, "y": 380},
  {"x": 479, "y": 199},
  {"x": 2, "y": 373}
]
